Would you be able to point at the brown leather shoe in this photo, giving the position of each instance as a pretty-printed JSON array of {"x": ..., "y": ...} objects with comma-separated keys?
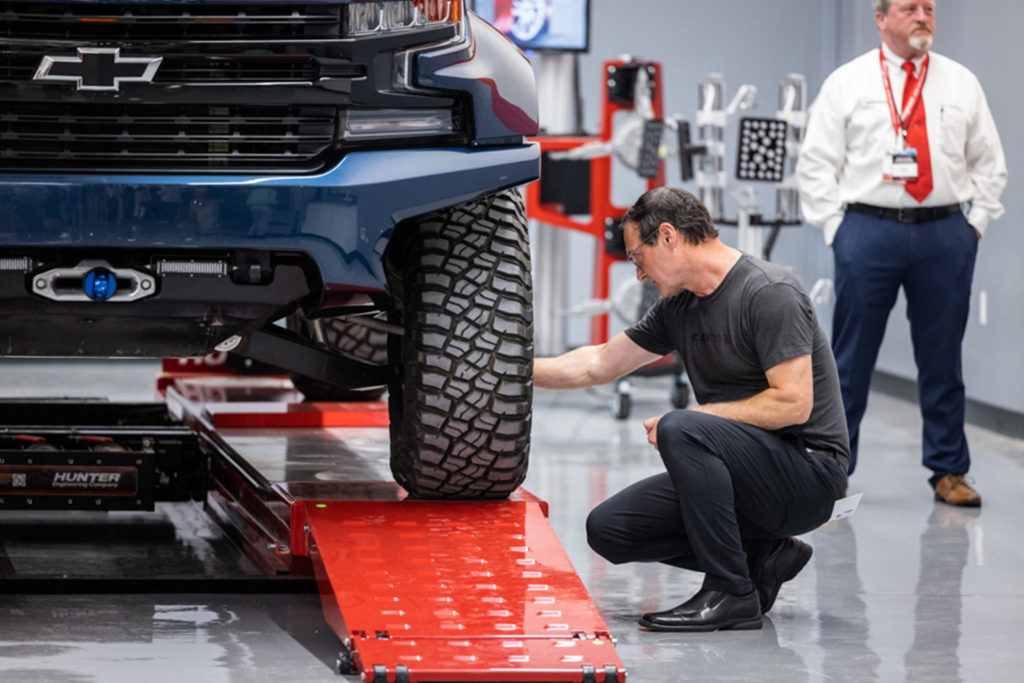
[{"x": 953, "y": 490}]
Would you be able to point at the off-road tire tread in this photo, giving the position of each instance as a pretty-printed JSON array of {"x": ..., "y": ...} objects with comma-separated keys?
[{"x": 461, "y": 414}]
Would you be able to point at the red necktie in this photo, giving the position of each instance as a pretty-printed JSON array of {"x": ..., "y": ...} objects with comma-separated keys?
[{"x": 917, "y": 137}]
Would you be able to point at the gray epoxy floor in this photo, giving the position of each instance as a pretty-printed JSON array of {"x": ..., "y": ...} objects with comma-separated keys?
[{"x": 906, "y": 589}]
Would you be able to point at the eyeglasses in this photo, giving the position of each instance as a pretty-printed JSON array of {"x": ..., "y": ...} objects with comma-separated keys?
[{"x": 631, "y": 255}]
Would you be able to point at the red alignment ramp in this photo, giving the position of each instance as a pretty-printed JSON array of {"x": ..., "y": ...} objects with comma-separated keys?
[
  {"x": 286, "y": 415},
  {"x": 456, "y": 591}
]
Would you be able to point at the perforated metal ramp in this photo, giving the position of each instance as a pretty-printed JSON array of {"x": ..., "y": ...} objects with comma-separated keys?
[
  {"x": 456, "y": 591},
  {"x": 432, "y": 591}
]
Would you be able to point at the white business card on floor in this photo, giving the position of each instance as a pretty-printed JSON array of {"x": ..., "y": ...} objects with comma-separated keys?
[{"x": 845, "y": 507}]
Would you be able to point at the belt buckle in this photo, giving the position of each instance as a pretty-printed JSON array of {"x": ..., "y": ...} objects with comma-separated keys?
[{"x": 906, "y": 215}]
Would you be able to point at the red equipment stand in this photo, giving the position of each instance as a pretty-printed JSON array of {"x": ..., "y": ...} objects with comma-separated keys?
[
  {"x": 601, "y": 207},
  {"x": 416, "y": 590}
]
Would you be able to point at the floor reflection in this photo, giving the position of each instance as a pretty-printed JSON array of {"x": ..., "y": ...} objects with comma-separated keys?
[
  {"x": 843, "y": 632},
  {"x": 934, "y": 654},
  {"x": 161, "y": 638}
]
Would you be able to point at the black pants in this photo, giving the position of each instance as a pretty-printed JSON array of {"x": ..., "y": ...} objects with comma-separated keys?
[{"x": 730, "y": 490}]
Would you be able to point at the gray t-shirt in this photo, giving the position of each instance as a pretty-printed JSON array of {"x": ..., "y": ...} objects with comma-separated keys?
[{"x": 758, "y": 317}]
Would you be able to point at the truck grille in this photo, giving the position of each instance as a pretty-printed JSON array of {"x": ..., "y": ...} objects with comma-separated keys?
[
  {"x": 169, "y": 21},
  {"x": 165, "y": 137},
  {"x": 20, "y": 67}
]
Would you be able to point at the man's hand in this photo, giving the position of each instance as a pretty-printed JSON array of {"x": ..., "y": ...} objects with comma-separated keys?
[{"x": 651, "y": 425}]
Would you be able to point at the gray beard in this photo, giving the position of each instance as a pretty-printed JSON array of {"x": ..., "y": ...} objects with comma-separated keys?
[{"x": 921, "y": 42}]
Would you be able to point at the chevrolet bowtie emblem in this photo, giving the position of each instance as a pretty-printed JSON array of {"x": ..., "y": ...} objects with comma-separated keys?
[{"x": 98, "y": 68}]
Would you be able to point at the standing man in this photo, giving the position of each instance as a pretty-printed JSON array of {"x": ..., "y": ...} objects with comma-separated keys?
[
  {"x": 899, "y": 140},
  {"x": 764, "y": 456}
]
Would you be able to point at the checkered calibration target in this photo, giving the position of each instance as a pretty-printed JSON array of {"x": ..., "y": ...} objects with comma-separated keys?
[{"x": 762, "y": 150}]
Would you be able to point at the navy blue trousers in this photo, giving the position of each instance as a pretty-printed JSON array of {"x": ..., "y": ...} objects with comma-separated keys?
[
  {"x": 934, "y": 264},
  {"x": 730, "y": 491}
]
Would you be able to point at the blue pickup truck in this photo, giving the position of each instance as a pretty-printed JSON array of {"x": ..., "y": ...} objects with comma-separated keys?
[{"x": 328, "y": 186}]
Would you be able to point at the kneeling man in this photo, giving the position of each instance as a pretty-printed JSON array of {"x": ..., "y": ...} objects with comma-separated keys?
[{"x": 763, "y": 457}]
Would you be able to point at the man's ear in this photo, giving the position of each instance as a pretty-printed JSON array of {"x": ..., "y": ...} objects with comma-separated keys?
[{"x": 666, "y": 232}]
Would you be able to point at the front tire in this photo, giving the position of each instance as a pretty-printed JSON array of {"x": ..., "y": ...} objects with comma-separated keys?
[{"x": 461, "y": 410}]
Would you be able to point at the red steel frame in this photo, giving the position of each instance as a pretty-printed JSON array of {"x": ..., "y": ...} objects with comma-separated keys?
[{"x": 601, "y": 207}]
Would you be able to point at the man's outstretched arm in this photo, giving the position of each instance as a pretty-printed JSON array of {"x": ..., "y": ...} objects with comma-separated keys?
[{"x": 591, "y": 365}]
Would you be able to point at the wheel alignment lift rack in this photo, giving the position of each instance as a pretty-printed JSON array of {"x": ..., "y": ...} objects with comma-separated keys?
[{"x": 416, "y": 590}]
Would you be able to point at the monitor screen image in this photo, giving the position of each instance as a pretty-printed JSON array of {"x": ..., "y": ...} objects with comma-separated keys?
[{"x": 540, "y": 24}]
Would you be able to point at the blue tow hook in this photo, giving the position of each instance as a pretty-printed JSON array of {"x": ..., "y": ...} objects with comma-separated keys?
[{"x": 100, "y": 284}]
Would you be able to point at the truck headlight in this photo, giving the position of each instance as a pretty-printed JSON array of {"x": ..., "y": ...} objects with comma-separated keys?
[
  {"x": 370, "y": 124},
  {"x": 367, "y": 18}
]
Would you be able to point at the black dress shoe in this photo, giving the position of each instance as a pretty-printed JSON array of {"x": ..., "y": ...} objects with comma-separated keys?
[
  {"x": 780, "y": 564},
  {"x": 708, "y": 610}
]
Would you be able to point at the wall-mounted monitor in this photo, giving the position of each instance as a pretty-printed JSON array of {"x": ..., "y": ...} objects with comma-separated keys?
[{"x": 540, "y": 24}]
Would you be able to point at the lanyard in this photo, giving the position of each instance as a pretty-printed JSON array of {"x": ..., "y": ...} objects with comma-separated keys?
[{"x": 897, "y": 117}]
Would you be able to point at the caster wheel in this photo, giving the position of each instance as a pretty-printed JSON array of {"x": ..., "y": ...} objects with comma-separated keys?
[
  {"x": 343, "y": 664},
  {"x": 622, "y": 400},
  {"x": 680, "y": 393}
]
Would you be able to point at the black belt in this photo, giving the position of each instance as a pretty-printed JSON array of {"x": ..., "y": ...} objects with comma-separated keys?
[{"x": 916, "y": 214}]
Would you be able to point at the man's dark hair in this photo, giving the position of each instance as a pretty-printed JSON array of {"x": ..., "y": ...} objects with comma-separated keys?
[{"x": 676, "y": 207}]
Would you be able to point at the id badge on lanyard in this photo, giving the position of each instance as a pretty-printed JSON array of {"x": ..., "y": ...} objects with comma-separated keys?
[{"x": 900, "y": 164}]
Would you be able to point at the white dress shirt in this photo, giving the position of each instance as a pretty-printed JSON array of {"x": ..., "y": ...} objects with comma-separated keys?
[{"x": 850, "y": 132}]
